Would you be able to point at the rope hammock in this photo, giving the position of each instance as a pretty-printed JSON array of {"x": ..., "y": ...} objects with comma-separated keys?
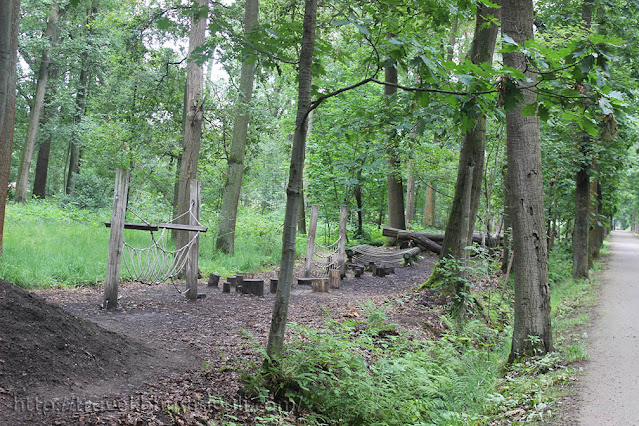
[
  {"x": 158, "y": 263},
  {"x": 325, "y": 257},
  {"x": 365, "y": 254}
]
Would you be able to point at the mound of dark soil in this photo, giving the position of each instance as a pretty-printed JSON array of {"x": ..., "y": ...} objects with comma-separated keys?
[{"x": 45, "y": 350}]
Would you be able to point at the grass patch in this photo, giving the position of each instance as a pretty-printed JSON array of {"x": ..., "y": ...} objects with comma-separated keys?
[{"x": 48, "y": 245}]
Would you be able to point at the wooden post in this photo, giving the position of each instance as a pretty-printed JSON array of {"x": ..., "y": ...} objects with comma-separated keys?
[
  {"x": 192, "y": 261},
  {"x": 214, "y": 280},
  {"x": 310, "y": 241},
  {"x": 334, "y": 278},
  {"x": 116, "y": 240},
  {"x": 273, "y": 287},
  {"x": 341, "y": 254}
]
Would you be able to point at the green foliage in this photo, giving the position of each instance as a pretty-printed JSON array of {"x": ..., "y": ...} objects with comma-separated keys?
[{"x": 365, "y": 372}]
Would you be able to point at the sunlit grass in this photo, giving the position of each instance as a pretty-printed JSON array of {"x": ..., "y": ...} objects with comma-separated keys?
[{"x": 47, "y": 245}]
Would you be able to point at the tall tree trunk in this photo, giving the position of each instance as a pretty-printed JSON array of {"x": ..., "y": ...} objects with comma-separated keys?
[
  {"x": 44, "y": 150},
  {"x": 532, "y": 333},
  {"x": 301, "y": 216},
  {"x": 228, "y": 215},
  {"x": 293, "y": 191},
  {"x": 192, "y": 126},
  {"x": 80, "y": 106},
  {"x": 505, "y": 260},
  {"x": 471, "y": 157},
  {"x": 396, "y": 218},
  {"x": 581, "y": 230},
  {"x": 410, "y": 194},
  {"x": 429, "y": 206},
  {"x": 36, "y": 109},
  {"x": 8, "y": 100},
  {"x": 357, "y": 189},
  {"x": 6, "y": 54}
]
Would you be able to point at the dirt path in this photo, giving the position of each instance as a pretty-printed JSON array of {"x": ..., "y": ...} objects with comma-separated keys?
[{"x": 610, "y": 388}]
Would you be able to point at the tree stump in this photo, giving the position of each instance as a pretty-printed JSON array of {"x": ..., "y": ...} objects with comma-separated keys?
[
  {"x": 273, "y": 287},
  {"x": 321, "y": 285},
  {"x": 359, "y": 271},
  {"x": 334, "y": 278},
  {"x": 226, "y": 287},
  {"x": 253, "y": 286},
  {"x": 214, "y": 280}
]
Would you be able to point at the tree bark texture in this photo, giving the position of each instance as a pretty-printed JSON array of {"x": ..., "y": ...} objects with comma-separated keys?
[
  {"x": 471, "y": 157},
  {"x": 294, "y": 188},
  {"x": 8, "y": 99},
  {"x": 531, "y": 329},
  {"x": 231, "y": 197},
  {"x": 410, "y": 194},
  {"x": 6, "y": 54},
  {"x": 581, "y": 228},
  {"x": 36, "y": 109},
  {"x": 44, "y": 150},
  {"x": 396, "y": 218},
  {"x": 194, "y": 110},
  {"x": 429, "y": 206}
]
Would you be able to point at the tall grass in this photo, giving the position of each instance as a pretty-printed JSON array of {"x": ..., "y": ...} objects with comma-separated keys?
[{"x": 48, "y": 245}]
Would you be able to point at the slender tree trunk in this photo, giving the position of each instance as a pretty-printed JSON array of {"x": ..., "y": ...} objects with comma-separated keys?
[
  {"x": 581, "y": 232},
  {"x": 357, "y": 189},
  {"x": 36, "y": 109},
  {"x": 44, "y": 150},
  {"x": 42, "y": 170},
  {"x": 471, "y": 157},
  {"x": 429, "y": 206},
  {"x": 532, "y": 333},
  {"x": 194, "y": 108},
  {"x": 301, "y": 216},
  {"x": 230, "y": 200},
  {"x": 8, "y": 100},
  {"x": 396, "y": 218},
  {"x": 410, "y": 194},
  {"x": 293, "y": 191}
]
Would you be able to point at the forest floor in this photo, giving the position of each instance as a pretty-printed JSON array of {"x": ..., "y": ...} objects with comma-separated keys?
[
  {"x": 607, "y": 393},
  {"x": 63, "y": 360}
]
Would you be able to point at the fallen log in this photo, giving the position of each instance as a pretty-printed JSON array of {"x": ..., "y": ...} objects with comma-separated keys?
[{"x": 400, "y": 234}]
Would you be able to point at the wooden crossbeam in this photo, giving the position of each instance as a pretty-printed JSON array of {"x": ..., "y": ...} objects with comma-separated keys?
[
  {"x": 145, "y": 227},
  {"x": 138, "y": 226},
  {"x": 180, "y": 227}
]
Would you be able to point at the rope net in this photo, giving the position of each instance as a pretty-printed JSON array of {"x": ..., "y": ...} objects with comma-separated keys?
[
  {"x": 325, "y": 258},
  {"x": 365, "y": 254},
  {"x": 157, "y": 263}
]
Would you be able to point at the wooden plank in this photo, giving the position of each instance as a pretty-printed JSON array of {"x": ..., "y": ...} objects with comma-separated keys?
[
  {"x": 116, "y": 240},
  {"x": 191, "y": 269},
  {"x": 138, "y": 226},
  {"x": 180, "y": 227}
]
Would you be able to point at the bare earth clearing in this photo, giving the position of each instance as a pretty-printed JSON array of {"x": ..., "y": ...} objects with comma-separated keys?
[{"x": 160, "y": 351}]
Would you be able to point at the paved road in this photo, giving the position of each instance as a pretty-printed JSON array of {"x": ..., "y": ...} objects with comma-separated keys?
[{"x": 610, "y": 390}]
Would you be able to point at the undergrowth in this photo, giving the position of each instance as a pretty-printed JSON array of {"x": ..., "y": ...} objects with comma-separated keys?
[{"x": 366, "y": 371}]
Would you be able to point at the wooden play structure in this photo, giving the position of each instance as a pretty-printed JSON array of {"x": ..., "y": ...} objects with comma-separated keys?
[{"x": 156, "y": 263}]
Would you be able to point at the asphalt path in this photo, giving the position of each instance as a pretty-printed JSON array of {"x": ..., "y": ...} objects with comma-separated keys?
[{"x": 610, "y": 387}]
